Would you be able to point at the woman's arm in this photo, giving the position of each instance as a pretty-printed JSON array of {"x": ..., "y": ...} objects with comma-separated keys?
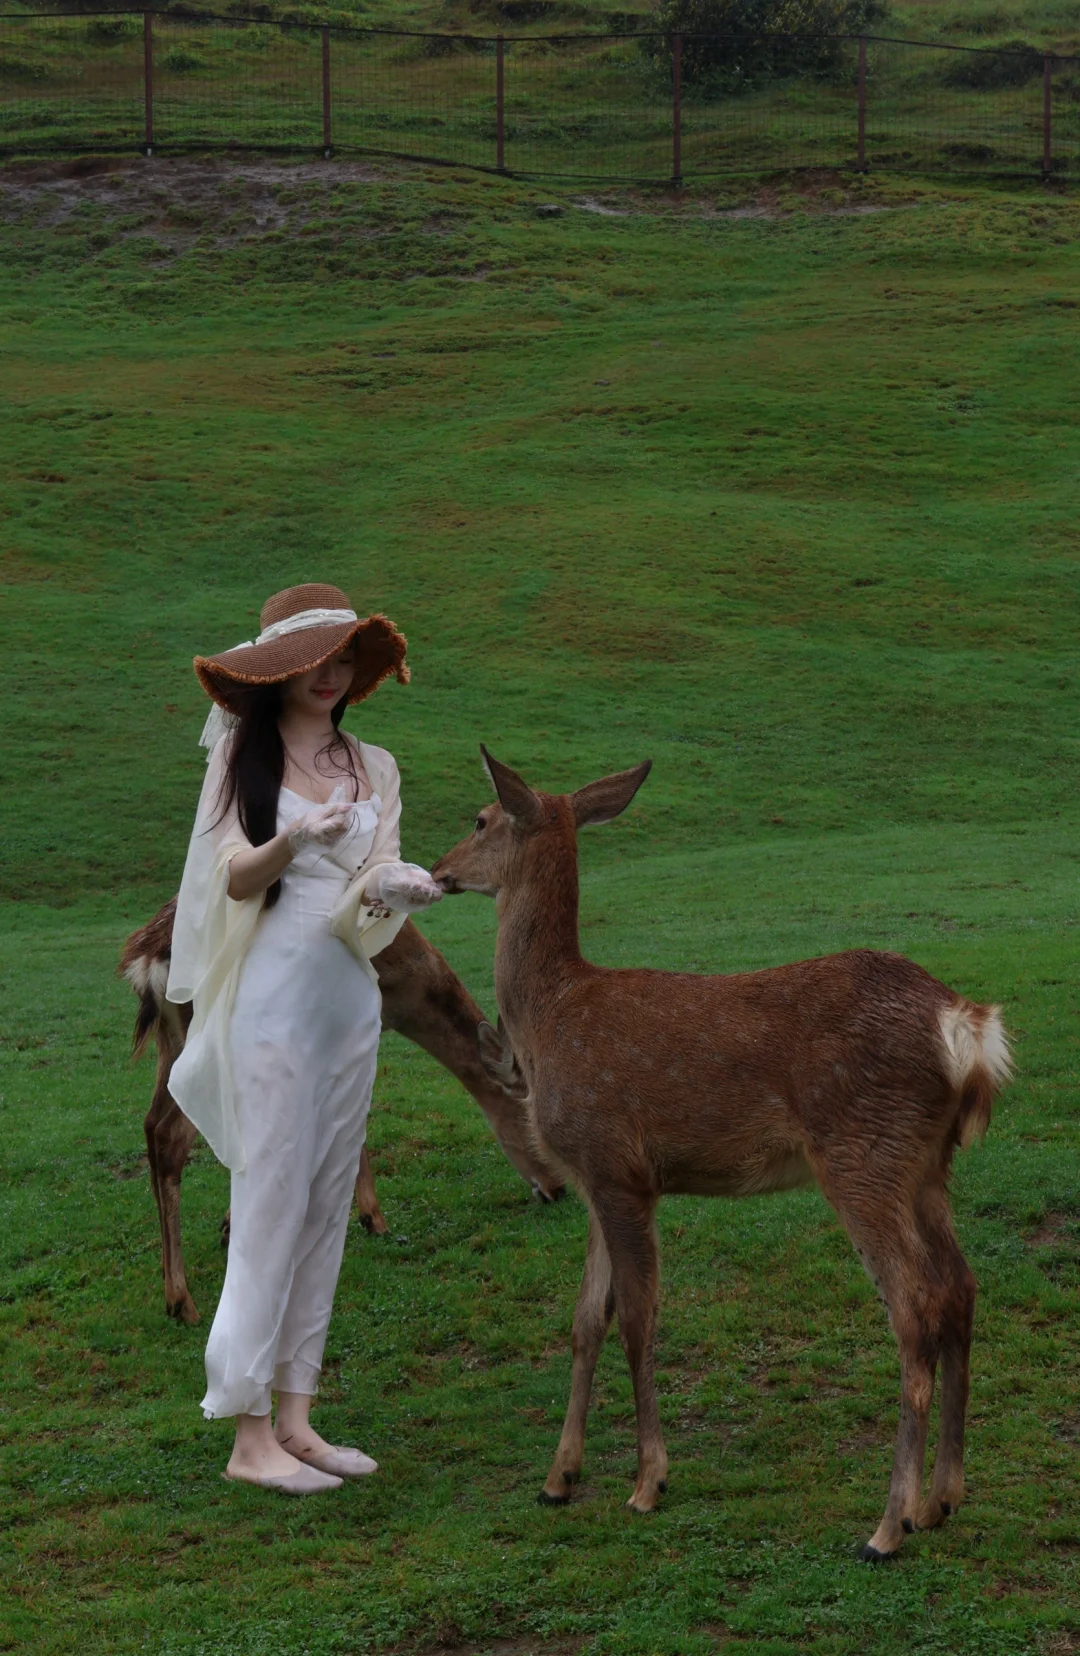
[{"x": 254, "y": 870}]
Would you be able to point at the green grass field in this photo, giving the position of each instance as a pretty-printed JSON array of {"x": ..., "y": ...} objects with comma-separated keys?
[{"x": 779, "y": 492}]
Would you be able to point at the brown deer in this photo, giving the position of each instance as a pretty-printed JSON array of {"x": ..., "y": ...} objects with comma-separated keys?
[
  {"x": 421, "y": 999},
  {"x": 858, "y": 1071}
]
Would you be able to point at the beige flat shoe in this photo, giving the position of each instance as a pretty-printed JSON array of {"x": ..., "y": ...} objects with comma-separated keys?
[
  {"x": 306, "y": 1480},
  {"x": 340, "y": 1463}
]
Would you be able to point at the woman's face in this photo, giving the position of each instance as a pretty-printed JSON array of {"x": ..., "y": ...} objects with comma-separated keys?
[{"x": 322, "y": 688}]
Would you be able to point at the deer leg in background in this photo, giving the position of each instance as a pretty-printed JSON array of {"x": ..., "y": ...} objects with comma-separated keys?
[
  {"x": 947, "y": 1483},
  {"x": 367, "y": 1202},
  {"x": 593, "y": 1313},
  {"x": 886, "y": 1234},
  {"x": 169, "y": 1138},
  {"x": 630, "y": 1234}
]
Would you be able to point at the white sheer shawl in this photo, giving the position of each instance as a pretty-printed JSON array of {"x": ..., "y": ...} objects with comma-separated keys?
[{"x": 212, "y": 933}]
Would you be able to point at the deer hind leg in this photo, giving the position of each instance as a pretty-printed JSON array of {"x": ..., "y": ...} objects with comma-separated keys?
[
  {"x": 594, "y": 1310},
  {"x": 947, "y": 1483},
  {"x": 631, "y": 1240},
  {"x": 894, "y": 1252},
  {"x": 169, "y": 1138},
  {"x": 367, "y": 1202}
]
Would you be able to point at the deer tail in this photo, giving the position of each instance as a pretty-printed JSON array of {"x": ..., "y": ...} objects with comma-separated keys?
[
  {"x": 145, "y": 965},
  {"x": 148, "y": 979},
  {"x": 978, "y": 1063}
]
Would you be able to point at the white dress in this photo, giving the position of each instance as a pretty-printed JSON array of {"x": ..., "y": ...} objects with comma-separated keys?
[{"x": 292, "y": 1034}]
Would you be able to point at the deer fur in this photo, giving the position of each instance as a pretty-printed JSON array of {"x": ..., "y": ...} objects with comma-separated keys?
[
  {"x": 858, "y": 1071},
  {"x": 421, "y": 998}
]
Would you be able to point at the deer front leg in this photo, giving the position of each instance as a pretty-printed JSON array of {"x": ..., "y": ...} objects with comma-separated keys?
[
  {"x": 631, "y": 1240},
  {"x": 593, "y": 1313},
  {"x": 367, "y": 1202}
]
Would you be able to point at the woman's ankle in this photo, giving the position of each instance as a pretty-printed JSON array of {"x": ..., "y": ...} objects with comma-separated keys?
[
  {"x": 293, "y": 1410},
  {"x": 255, "y": 1447}
]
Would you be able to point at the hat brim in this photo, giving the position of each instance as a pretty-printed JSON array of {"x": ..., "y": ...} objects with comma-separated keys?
[{"x": 380, "y": 655}]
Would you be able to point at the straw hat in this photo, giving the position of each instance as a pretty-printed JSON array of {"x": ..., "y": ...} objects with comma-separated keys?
[{"x": 300, "y": 629}]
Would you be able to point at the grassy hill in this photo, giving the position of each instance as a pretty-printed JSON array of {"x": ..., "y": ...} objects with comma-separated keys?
[{"x": 776, "y": 488}]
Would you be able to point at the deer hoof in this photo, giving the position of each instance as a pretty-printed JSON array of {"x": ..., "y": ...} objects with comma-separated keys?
[
  {"x": 871, "y": 1555},
  {"x": 374, "y": 1224},
  {"x": 182, "y": 1310},
  {"x": 643, "y": 1505},
  {"x": 932, "y": 1513},
  {"x": 545, "y": 1498}
]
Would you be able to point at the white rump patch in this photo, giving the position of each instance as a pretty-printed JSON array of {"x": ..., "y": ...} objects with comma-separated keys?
[
  {"x": 975, "y": 1042},
  {"x": 145, "y": 974}
]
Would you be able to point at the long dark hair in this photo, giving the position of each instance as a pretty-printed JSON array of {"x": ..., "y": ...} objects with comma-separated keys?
[{"x": 255, "y": 764}]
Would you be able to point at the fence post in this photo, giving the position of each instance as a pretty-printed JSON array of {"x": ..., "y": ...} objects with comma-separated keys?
[
  {"x": 326, "y": 93},
  {"x": 148, "y": 80},
  {"x": 676, "y": 110},
  {"x": 1048, "y": 85},
  {"x": 500, "y": 106},
  {"x": 860, "y": 165}
]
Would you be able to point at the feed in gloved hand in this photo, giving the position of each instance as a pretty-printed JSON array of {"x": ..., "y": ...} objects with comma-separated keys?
[
  {"x": 323, "y": 826},
  {"x": 401, "y": 888}
]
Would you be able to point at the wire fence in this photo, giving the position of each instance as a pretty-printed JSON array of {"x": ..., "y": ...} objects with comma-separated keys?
[{"x": 590, "y": 107}]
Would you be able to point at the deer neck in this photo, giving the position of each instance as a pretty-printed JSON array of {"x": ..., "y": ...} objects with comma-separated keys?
[{"x": 537, "y": 946}]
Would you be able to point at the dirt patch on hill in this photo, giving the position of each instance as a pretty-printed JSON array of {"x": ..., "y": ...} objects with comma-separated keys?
[{"x": 178, "y": 199}]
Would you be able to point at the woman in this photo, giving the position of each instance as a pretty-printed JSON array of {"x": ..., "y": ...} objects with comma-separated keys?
[{"x": 293, "y": 881}]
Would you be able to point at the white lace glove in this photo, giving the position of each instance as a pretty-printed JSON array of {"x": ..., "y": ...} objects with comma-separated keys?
[
  {"x": 400, "y": 888},
  {"x": 321, "y": 827}
]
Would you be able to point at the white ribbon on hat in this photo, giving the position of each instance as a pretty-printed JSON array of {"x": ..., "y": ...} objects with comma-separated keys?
[
  {"x": 219, "y": 722},
  {"x": 302, "y": 619}
]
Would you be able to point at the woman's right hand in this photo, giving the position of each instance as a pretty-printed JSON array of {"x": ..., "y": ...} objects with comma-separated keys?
[{"x": 323, "y": 826}]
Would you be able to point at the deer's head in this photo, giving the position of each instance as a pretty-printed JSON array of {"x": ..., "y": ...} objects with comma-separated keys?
[{"x": 496, "y": 851}]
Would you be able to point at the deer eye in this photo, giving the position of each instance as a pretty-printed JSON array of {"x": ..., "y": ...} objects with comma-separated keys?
[{"x": 480, "y": 825}]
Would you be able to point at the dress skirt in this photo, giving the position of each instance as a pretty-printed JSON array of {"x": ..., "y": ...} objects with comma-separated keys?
[{"x": 303, "y": 1046}]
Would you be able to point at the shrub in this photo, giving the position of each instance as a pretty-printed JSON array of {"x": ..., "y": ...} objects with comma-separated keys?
[
  {"x": 257, "y": 37},
  {"x": 180, "y": 60},
  {"x": 109, "y": 31},
  {"x": 1013, "y": 63},
  {"x": 22, "y": 69},
  {"x": 730, "y": 45}
]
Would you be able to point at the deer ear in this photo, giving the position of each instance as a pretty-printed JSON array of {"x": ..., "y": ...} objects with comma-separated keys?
[
  {"x": 602, "y": 801},
  {"x": 497, "y": 1059},
  {"x": 515, "y": 796}
]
